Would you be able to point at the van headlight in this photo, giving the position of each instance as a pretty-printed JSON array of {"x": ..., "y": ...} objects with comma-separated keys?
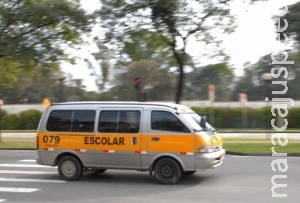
[{"x": 206, "y": 149}]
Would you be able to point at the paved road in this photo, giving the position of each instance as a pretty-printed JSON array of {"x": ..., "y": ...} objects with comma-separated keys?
[
  {"x": 238, "y": 180},
  {"x": 236, "y": 135}
]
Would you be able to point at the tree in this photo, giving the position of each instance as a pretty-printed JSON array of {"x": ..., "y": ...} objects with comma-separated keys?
[
  {"x": 32, "y": 84},
  {"x": 175, "y": 21},
  {"x": 290, "y": 20},
  {"x": 144, "y": 44},
  {"x": 103, "y": 57},
  {"x": 155, "y": 81},
  {"x": 34, "y": 31},
  {"x": 219, "y": 75},
  {"x": 252, "y": 84},
  {"x": 40, "y": 82}
]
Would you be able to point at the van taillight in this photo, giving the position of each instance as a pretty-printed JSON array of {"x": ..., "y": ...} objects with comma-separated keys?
[{"x": 37, "y": 142}]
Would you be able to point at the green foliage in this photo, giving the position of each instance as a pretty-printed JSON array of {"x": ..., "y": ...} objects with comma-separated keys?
[
  {"x": 293, "y": 118},
  {"x": 246, "y": 117},
  {"x": 174, "y": 21},
  {"x": 34, "y": 35},
  {"x": 261, "y": 147},
  {"x": 11, "y": 122},
  {"x": 200, "y": 78},
  {"x": 39, "y": 31},
  {"x": 145, "y": 45},
  {"x": 3, "y": 113},
  {"x": 293, "y": 24},
  {"x": 29, "y": 84},
  {"x": 156, "y": 81},
  {"x": 29, "y": 119},
  {"x": 256, "y": 88}
]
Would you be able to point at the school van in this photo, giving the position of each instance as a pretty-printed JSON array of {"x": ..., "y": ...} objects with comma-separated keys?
[{"x": 167, "y": 140}]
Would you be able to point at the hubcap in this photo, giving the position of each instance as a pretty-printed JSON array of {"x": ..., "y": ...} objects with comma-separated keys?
[
  {"x": 68, "y": 168},
  {"x": 167, "y": 171}
]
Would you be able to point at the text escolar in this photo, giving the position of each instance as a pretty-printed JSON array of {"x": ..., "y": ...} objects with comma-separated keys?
[{"x": 104, "y": 140}]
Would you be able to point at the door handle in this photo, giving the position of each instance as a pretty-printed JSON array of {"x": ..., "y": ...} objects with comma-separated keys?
[
  {"x": 133, "y": 141},
  {"x": 155, "y": 138}
]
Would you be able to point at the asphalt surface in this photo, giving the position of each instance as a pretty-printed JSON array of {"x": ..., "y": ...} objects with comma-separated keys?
[{"x": 238, "y": 180}]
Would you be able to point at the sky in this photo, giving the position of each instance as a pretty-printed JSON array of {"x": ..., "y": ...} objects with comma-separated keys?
[{"x": 253, "y": 38}]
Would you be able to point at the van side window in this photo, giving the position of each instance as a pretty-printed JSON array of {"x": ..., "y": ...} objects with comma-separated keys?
[
  {"x": 83, "y": 121},
  {"x": 71, "y": 121},
  {"x": 166, "y": 121},
  {"x": 119, "y": 121}
]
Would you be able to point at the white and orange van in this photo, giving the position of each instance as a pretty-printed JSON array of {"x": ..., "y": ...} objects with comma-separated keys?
[{"x": 166, "y": 139}]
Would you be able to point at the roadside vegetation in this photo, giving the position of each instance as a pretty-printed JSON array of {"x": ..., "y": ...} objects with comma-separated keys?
[
  {"x": 259, "y": 145},
  {"x": 17, "y": 142}
]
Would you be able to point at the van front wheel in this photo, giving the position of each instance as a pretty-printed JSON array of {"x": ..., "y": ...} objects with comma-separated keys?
[
  {"x": 167, "y": 171},
  {"x": 70, "y": 168}
]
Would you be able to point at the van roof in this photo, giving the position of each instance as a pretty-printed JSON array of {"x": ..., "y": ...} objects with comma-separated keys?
[{"x": 178, "y": 107}]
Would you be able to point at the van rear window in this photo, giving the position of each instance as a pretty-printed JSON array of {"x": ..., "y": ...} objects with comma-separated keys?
[{"x": 71, "y": 121}]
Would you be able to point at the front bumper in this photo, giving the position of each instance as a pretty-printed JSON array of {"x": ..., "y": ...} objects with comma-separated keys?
[{"x": 209, "y": 160}]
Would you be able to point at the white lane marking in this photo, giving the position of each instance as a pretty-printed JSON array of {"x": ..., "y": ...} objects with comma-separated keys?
[
  {"x": 17, "y": 189},
  {"x": 30, "y": 180},
  {"x": 237, "y": 156},
  {"x": 230, "y": 135},
  {"x": 28, "y": 160},
  {"x": 2, "y": 200},
  {"x": 27, "y": 172},
  {"x": 26, "y": 165}
]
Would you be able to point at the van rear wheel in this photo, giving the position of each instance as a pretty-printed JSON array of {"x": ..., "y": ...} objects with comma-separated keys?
[
  {"x": 70, "y": 168},
  {"x": 167, "y": 171}
]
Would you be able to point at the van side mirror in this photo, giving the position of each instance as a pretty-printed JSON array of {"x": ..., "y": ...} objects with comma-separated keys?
[{"x": 203, "y": 122}]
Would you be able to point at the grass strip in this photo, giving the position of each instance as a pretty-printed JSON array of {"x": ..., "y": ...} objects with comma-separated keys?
[
  {"x": 261, "y": 147},
  {"x": 15, "y": 145},
  {"x": 17, "y": 142}
]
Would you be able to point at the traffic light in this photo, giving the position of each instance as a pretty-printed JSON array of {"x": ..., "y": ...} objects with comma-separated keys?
[{"x": 137, "y": 82}]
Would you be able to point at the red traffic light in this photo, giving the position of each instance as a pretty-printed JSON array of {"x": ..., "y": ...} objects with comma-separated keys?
[{"x": 137, "y": 80}]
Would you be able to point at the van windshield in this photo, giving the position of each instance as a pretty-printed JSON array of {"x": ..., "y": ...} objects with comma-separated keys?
[{"x": 194, "y": 120}]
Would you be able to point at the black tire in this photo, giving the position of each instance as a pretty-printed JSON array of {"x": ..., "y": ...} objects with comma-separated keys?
[
  {"x": 189, "y": 172},
  {"x": 100, "y": 171},
  {"x": 69, "y": 168},
  {"x": 167, "y": 171}
]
